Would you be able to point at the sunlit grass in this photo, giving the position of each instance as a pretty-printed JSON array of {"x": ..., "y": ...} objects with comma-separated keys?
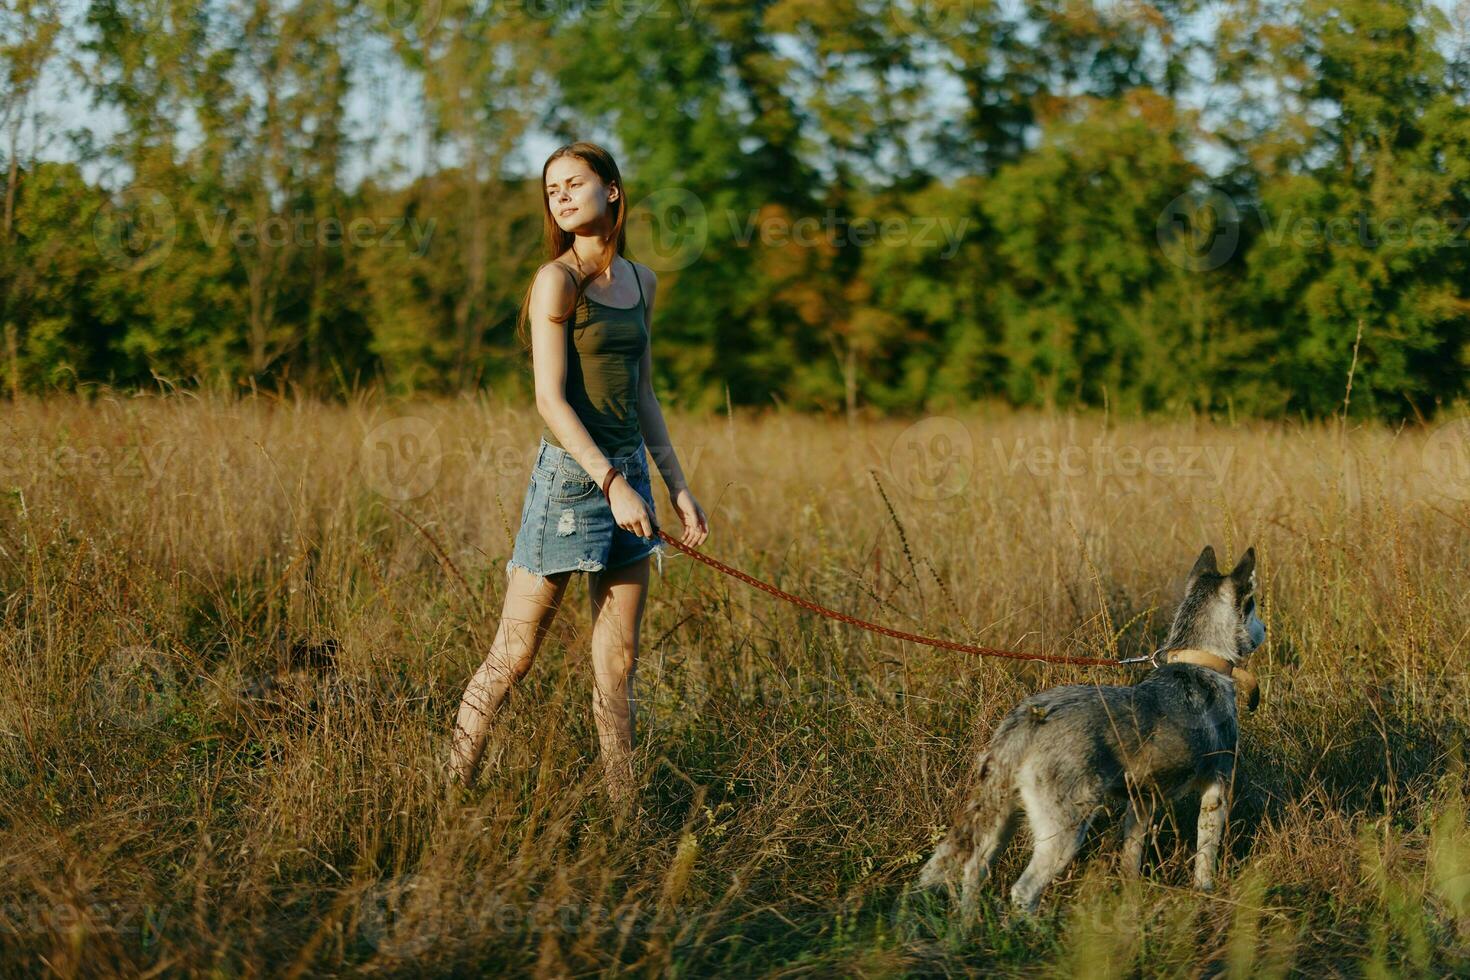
[{"x": 235, "y": 633}]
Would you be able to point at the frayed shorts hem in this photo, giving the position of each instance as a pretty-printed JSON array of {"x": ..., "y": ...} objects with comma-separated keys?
[
  {"x": 656, "y": 550},
  {"x": 581, "y": 566},
  {"x": 588, "y": 565}
]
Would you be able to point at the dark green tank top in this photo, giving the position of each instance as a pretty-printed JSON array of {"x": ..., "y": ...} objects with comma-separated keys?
[{"x": 605, "y": 347}]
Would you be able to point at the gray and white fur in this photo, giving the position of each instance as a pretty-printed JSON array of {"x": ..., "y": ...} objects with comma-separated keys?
[{"x": 1066, "y": 754}]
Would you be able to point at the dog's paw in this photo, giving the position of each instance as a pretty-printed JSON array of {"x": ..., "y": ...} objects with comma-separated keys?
[
  {"x": 1014, "y": 916},
  {"x": 1023, "y": 908},
  {"x": 931, "y": 878},
  {"x": 938, "y": 870}
]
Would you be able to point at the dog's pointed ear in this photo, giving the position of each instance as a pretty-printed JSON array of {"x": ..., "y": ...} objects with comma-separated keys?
[
  {"x": 1204, "y": 563},
  {"x": 1244, "y": 572}
]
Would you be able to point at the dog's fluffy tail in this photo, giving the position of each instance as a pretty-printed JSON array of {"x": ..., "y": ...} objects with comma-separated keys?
[{"x": 990, "y": 800}]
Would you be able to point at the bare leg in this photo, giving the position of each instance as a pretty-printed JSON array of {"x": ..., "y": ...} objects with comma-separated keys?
[
  {"x": 1214, "y": 809},
  {"x": 530, "y": 606},
  {"x": 617, "y": 598}
]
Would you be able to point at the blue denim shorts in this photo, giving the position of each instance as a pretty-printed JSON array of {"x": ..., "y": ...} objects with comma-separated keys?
[{"x": 567, "y": 524}]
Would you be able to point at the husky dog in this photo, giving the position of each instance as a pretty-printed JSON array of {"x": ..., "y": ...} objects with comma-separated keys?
[{"x": 1064, "y": 754}]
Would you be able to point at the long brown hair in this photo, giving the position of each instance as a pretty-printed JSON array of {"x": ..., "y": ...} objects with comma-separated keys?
[{"x": 558, "y": 241}]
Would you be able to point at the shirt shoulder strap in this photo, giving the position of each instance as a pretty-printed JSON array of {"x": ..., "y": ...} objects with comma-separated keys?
[
  {"x": 564, "y": 268},
  {"x": 639, "y": 280}
]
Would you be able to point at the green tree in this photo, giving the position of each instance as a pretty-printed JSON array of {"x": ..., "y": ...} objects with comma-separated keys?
[
  {"x": 29, "y": 31},
  {"x": 1368, "y": 230}
]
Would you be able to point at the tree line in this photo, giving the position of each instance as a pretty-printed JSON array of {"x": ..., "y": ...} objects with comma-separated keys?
[{"x": 891, "y": 206}]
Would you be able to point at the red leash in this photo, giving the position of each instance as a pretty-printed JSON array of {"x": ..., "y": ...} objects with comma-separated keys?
[{"x": 874, "y": 627}]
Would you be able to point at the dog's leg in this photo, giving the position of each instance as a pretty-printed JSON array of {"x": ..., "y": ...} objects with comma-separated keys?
[
  {"x": 1214, "y": 809},
  {"x": 1056, "y": 845},
  {"x": 1057, "y": 826},
  {"x": 990, "y": 840},
  {"x": 1137, "y": 828}
]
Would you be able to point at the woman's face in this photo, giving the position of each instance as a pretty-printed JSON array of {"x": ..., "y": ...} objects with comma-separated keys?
[{"x": 577, "y": 197}]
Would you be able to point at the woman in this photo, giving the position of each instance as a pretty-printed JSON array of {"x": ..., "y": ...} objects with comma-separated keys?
[{"x": 589, "y": 506}]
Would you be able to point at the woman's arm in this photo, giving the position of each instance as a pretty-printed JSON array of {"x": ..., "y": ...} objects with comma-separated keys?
[
  {"x": 656, "y": 430},
  {"x": 650, "y": 413},
  {"x": 551, "y": 293}
]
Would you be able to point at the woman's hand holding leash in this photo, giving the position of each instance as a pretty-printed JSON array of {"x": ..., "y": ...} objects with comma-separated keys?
[
  {"x": 696, "y": 525},
  {"x": 632, "y": 513},
  {"x": 629, "y": 508}
]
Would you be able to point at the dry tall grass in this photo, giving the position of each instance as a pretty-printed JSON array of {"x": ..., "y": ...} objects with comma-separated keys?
[{"x": 234, "y": 639}]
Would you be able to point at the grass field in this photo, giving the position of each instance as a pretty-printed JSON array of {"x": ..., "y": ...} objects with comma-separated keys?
[{"x": 233, "y": 635}]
